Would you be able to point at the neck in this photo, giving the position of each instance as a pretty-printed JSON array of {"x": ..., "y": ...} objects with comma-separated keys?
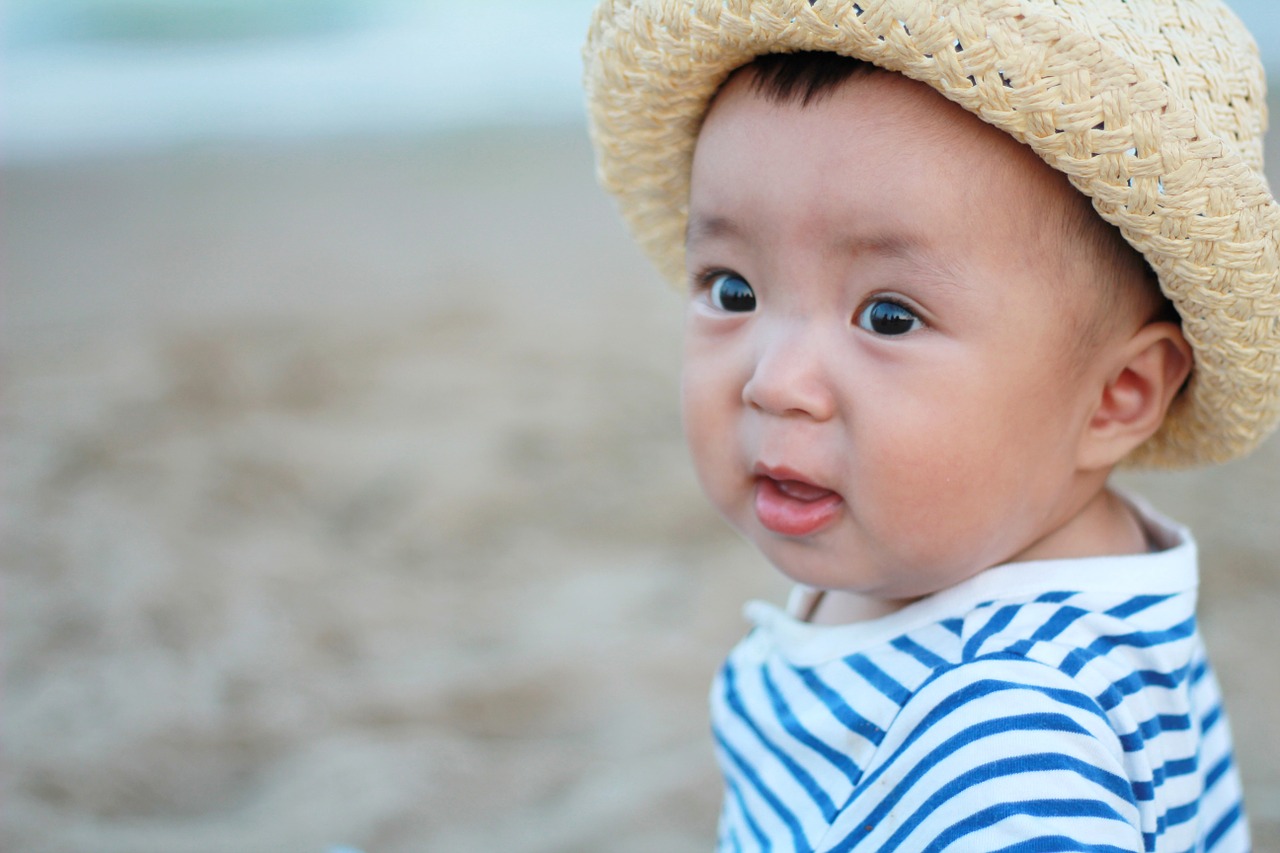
[
  {"x": 1104, "y": 526},
  {"x": 840, "y": 607}
]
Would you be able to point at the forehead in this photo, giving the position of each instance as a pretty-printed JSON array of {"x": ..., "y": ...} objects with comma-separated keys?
[{"x": 881, "y": 158}]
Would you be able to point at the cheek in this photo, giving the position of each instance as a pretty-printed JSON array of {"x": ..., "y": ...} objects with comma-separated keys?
[
  {"x": 696, "y": 413},
  {"x": 707, "y": 411},
  {"x": 716, "y": 367},
  {"x": 959, "y": 468},
  {"x": 935, "y": 513},
  {"x": 931, "y": 460},
  {"x": 698, "y": 389},
  {"x": 711, "y": 379}
]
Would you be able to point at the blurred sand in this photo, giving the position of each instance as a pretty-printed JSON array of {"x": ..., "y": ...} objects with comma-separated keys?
[{"x": 345, "y": 503}]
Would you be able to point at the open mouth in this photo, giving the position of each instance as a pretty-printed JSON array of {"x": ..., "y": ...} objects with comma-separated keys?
[{"x": 794, "y": 507}]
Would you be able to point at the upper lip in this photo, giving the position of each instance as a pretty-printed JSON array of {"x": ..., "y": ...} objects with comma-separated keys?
[{"x": 782, "y": 473}]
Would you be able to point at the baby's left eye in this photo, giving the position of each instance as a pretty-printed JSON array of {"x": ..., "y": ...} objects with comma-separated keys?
[{"x": 885, "y": 317}]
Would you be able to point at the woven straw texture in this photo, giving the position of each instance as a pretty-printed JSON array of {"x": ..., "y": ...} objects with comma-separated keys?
[{"x": 1153, "y": 108}]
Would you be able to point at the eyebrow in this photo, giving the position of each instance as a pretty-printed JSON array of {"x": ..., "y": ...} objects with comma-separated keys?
[
  {"x": 701, "y": 228},
  {"x": 913, "y": 250},
  {"x": 905, "y": 247}
]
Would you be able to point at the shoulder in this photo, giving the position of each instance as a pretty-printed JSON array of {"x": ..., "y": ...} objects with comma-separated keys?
[
  {"x": 1002, "y": 749},
  {"x": 981, "y": 699}
]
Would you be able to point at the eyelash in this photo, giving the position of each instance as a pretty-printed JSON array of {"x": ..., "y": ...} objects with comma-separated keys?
[{"x": 703, "y": 279}]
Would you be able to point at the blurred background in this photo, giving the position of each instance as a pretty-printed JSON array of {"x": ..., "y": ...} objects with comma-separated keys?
[{"x": 344, "y": 499}]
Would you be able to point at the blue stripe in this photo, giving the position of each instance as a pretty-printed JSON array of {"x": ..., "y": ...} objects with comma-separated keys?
[
  {"x": 1029, "y": 808},
  {"x": 1021, "y": 649},
  {"x": 1006, "y": 767},
  {"x": 1149, "y": 729},
  {"x": 1200, "y": 671},
  {"x": 1063, "y": 618},
  {"x": 908, "y": 646},
  {"x": 1020, "y": 723},
  {"x": 840, "y": 709},
  {"x": 1209, "y": 720},
  {"x": 1136, "y": 605},
  {"x": 798, "y": 773},
  {"x": 1172, "y": 770},
  {"x": 995, "y": 624},
  {"x": 1132, "y": 742},
  {"x": 1166, "y": 723},
  {"x": 1175, "y": 768},
  {"x": 1211, "y": 778},
  {"x": 984, "y": 687},
  {"x": 1078, "y": 658},
  {"x": 792, "y": 724},
  {"x": 1074, "y": 661},
  {"x": 1144, "y": 639},
  {"x": 1055, "y": 597},
  {"x": 776, "y": 805},
  {"x": 1060, "y": 844},
  {"x": 1109, "y": 698},
  {"x": 955, "y": 626},
  {"x": 762, "y": 840},
  {"x": 1137, "y": 681},
  {"x": 1222, "y": 827},
  {"x": 879, "y": 679},
  {"x": 1151, "y": 842},
  {"x": 1181, "y": 814},
  {"x": 1146, "y": 791}
]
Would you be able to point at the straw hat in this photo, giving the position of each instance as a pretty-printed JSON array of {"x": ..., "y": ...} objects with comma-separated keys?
[{"x": 1155, "y": 109}]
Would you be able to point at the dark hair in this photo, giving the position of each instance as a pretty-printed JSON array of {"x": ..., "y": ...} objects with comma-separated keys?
[{"x": 805, "y": 76}]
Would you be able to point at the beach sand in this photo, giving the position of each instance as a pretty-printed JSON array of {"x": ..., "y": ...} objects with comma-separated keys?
[{"x": 345, "y": 503}]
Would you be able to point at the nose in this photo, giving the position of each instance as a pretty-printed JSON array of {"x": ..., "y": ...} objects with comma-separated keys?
[{"x": 792, "y": 376}]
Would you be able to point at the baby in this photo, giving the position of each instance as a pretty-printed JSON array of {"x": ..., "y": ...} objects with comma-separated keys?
[{"x": 915, "y": 353}]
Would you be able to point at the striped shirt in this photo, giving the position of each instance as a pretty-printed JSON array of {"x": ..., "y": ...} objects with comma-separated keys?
[{"x": 1058, "y": 705}]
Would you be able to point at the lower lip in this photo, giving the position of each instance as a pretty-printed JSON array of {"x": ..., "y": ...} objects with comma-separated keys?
[{"x": 791, "y": 516}]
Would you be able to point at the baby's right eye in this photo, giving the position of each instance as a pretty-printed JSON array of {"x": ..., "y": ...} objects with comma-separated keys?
[{"x": 730, "y": 292}]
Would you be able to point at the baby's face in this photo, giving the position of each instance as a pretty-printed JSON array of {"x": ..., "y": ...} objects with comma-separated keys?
[{"x": 877, "y": 388}]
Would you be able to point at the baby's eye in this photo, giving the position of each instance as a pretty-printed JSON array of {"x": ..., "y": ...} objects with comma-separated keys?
[
  {"x": 888, "y": 318},
  {"x": 730, "y": 292}
]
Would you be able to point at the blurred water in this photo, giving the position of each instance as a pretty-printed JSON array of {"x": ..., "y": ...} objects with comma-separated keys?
[
  {"x": 89, "y": 76},
  {"x": 86, "y": 76}
]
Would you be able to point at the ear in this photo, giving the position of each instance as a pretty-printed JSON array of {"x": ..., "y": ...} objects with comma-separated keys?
[{"x": 1146, "y": 374}]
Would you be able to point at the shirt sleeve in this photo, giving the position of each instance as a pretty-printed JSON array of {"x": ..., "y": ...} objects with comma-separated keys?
[{"x": 994, "y": 755}]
